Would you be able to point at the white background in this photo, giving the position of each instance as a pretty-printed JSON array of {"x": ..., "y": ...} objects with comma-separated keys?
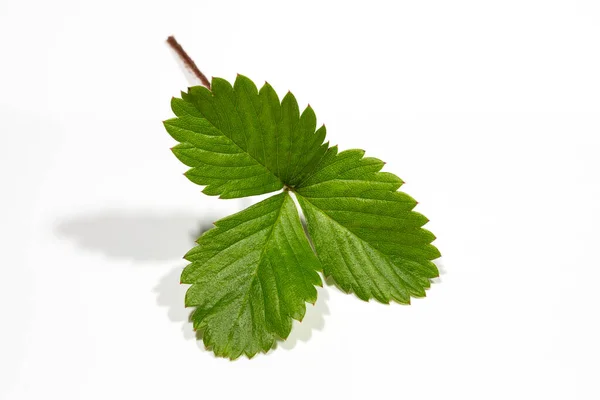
[{"x": 489, "y": 110}]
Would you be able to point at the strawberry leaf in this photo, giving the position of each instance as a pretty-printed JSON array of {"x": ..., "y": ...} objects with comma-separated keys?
[{"x": 252, "y": 274}]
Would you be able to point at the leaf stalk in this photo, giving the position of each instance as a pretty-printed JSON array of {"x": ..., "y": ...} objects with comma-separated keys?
[{"x": 187, "y": 61}]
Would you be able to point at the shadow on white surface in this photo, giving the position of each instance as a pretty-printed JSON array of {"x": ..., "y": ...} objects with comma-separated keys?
[
  {"x": 167, "y": 236},
  {"x": 439, "y": 263},
  {"x": 314, "y": 320},
  {"x": 171, "y": 294},
  {"x": 138, "y": 235}
]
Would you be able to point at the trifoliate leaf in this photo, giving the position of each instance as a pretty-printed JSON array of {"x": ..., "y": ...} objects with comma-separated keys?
[
  {"x": 364, "y": 231},
  {"x": 242, "y": 142},
  {"x": 250, "y": 276},
  {"x": 253, "y": 273}
]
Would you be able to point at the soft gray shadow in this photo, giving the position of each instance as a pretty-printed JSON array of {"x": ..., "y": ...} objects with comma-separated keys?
[
  {"x": 314, "y": 320},
  {"x": 171, "y": 295},
  {"x": 440, "y": 265},
  {"x": 139, "y": 235}
]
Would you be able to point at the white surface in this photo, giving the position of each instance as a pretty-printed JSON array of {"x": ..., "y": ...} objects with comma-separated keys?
[{"x": 490, "y": 110}]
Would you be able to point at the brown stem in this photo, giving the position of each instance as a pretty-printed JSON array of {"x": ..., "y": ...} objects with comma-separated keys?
[{"x": 188, "y": 61}]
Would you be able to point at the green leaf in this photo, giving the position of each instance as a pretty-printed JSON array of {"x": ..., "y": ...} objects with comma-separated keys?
[
  {"x": 364, "y": 231},
  {"x": 253, "y": 273},
  {"x": 242, "y": 142},
  {"x": 250, "y": 276}
]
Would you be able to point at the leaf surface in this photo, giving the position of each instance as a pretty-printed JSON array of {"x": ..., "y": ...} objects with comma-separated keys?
[
  {"x": 365, "y": 232},
  {"x": 251, "y": 275},
  {"x": 242, "y": 142}
]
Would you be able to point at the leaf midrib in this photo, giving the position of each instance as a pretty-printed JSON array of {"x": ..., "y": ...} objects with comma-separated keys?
[
  {"x": 363, "y": 243},
  {"x": 324, "y": 212},
  {"x": 242, "y": 149},
  {"x": 255, "y": 273}
]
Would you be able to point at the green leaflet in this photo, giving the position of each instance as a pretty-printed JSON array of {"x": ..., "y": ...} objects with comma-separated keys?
[
  {"x": 364, "y": 231},
  {"x": 250, "y": 276},
  {"x": 242, "y": 142},
  {"x": 253, "y": 273}
]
